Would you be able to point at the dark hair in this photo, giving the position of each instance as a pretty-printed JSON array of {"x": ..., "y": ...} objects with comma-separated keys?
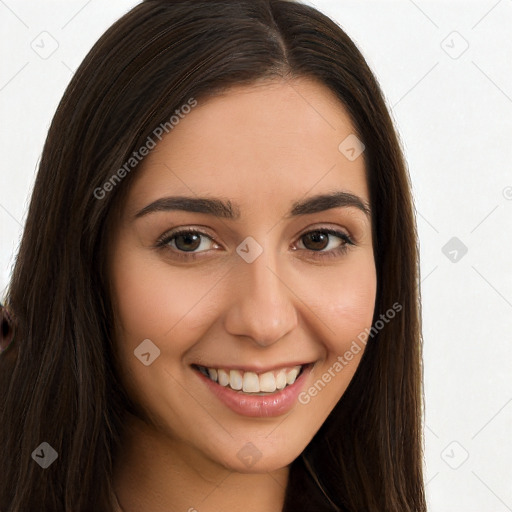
[{"x": 59, "y": 382}]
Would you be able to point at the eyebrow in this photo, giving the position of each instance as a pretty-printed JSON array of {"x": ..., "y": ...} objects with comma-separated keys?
[{"x": 225, "y": 209}]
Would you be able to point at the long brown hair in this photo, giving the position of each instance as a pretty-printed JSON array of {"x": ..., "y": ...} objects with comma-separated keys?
[{"x": 58, "y": 379}]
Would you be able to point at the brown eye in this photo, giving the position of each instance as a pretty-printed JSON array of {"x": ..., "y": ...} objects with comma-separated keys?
[
  {"x": 321, "y": 243},
  {"x": 316, "y": 240},
  {"x": 187, "y": 241}
]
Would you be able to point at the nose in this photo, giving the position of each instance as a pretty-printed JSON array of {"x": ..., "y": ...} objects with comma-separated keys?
[{"x": 262, "y": 303}]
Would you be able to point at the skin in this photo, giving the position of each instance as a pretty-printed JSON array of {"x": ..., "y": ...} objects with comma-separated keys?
[{"x": 262, "y": 147}]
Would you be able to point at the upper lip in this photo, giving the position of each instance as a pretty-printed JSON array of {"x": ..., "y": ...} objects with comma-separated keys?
[{"x": 253, "y": 367}]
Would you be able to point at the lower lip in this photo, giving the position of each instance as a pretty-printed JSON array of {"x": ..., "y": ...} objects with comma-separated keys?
[{"x": 258, "y": 406}]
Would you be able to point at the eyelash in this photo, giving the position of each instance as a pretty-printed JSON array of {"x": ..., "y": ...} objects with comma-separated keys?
[{"x": 163, "y": 241}]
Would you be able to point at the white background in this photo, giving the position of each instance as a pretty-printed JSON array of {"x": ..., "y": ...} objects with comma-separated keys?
[{"x": 453, "y": 109}]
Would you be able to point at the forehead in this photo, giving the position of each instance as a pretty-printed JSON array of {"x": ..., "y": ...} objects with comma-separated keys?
[{"x": 259, "y": 144}]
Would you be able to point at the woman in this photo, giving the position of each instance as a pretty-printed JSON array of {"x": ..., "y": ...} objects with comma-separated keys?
[{"x": 215, "y": 302}]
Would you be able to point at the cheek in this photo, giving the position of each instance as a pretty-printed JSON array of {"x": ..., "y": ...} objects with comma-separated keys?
[
  {"x": 345, "y": 303},
  {"x": 344, "y": 315},
  {"x": 154, "y": 301},
  {"x": 352, "y": 307}
]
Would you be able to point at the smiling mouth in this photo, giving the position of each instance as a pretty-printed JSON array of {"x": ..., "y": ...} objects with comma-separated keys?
[{"x": 251, "y": 382}]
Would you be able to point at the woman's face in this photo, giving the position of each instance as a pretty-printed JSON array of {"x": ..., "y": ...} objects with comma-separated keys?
[{"x": 260, "y": 266}]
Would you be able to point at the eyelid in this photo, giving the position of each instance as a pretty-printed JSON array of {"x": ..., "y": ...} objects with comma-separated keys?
[{"x": 329, "y": 228}]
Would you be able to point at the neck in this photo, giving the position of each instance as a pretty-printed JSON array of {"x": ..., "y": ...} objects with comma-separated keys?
[{"x": 154, "y": 472}]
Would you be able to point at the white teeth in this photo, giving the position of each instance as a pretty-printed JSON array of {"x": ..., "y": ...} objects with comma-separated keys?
[
  {"x": 281, "y": 380},
  {"x": 235, "y": 380},
  {"x": 292, "y": 375},
  {"x": 267, "y": 382},
  {"x": 251, "y": 382},
  {"x": 223, "y": 377}
]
